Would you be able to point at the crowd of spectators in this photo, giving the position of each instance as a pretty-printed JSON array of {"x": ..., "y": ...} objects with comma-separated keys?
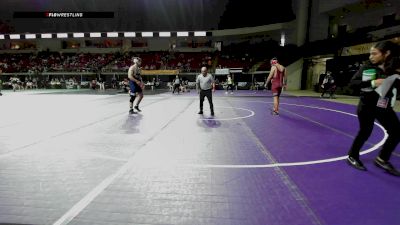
[
  {"x": 116, "y": 62},
  {"x": 184, "y": 62},
  {"x": 35, "y": 65},
  {"x": 53, "y": 62}
]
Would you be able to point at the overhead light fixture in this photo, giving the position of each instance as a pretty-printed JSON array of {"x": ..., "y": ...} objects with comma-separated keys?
[
  {"x": 1, "y": 36},
  {"x": 199, "y": 33},
  {"x": 147, "y": 34},
  {"x": 95, "y": 34},
  {"x": 112, "y": 34},
  {"x": 15, "y": 36},
  {"x": 182, "y": 34},
  {"x": 129, "y": 34},
  {"x": 165, "y": 34},
  {"x": 30, "y": 36},
  {"x": 62, "y": 35},
  {"x": 78, "y": 35},
  {"x": 45, "y": 35}
]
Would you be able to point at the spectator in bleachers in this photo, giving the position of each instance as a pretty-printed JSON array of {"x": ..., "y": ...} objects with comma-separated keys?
[
  {"x": 16, "y": 83},
  {"x": 184, "y": 86},
  {"x": 34, "y": 83},
  {"x": 170, "y": 86},
  {"x": 29, "y": 84},
  {"x": 101, "y": 84}
]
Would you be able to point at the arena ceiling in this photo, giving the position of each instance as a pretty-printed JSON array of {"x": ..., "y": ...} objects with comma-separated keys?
[{"x": 146, "y": 15}]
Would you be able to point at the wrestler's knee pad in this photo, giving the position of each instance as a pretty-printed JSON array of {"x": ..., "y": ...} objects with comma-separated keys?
[{"x": 132, "y": 98}]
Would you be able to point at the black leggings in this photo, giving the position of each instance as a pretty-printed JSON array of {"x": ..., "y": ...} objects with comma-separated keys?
[
  {"x": 229, "y": 86},
  {"x": 367, "y": 112}
]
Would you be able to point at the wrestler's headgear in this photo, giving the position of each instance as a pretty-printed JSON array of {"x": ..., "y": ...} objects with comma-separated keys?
[
  {"x": 136, "y": 59},
  {"x": 274, "y": 61}
]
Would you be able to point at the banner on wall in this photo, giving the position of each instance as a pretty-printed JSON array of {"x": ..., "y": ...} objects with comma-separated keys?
[
  {"x": 363, "y": 48},
  {"x": 224, "y": 71},
  {"x": 357, "y": 49},
  {"x": 236, "y": 70},
  {"x": 160, "y": 72}
]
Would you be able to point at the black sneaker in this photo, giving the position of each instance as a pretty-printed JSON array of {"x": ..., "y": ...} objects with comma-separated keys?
[
  {"x": 131, "y": 111},
  {"x": 386, "y": 165},
  {"x": 137, "y": 108},
  {"x": 200, "y": 112},
  {"x": 356, "y": 163}
]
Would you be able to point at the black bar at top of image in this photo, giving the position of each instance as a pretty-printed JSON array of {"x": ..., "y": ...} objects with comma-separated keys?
[
  {"x": 29, "y": 15},
  {"x": 98, "y": 14},
  {"x": 51, "y": 14}
]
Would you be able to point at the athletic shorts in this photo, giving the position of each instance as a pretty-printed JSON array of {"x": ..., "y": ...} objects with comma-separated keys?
[{"x": 134, "y": 87}]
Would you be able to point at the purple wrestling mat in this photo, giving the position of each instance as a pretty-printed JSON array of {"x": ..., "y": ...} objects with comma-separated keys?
[{"x": 84, "y": 160}]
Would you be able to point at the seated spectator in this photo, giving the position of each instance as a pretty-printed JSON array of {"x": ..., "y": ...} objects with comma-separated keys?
[
  {"x": 328, "y": 84},
  {"x": 94, "y": 84}
]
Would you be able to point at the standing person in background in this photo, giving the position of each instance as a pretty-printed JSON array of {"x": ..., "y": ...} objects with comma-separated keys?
[
  {"x": 177, "y": 84},
  {"x": 114, "y": 82},
  {"x": 328, "y": 85},
  {"x": 101, "y": 84},
  {"x": 94, "y": 84},
  {"x": 277, "y": 76},
  {"x": 153, "y": 84},
  {"x": 383, "y": 62},
  {"x": 229, "y": 82},
  {"x": 205, "y": 86},
  {"x": 255, "y": 85},
  {"x": 136, "y": 84}
]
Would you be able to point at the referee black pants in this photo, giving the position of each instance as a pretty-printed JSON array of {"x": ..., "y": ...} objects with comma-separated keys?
[
  {"x": 176, "y": 87},
  {"x": 208, "y": 94},
  {"x": 367, "y": 112}
]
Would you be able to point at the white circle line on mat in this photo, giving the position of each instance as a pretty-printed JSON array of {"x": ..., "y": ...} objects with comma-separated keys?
[
  {"x": 252, "y": 113},
  {"x": 373, "y": 148}
]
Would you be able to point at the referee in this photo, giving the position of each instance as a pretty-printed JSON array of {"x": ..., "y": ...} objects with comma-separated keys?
[{"x": 205, "y": 85}]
